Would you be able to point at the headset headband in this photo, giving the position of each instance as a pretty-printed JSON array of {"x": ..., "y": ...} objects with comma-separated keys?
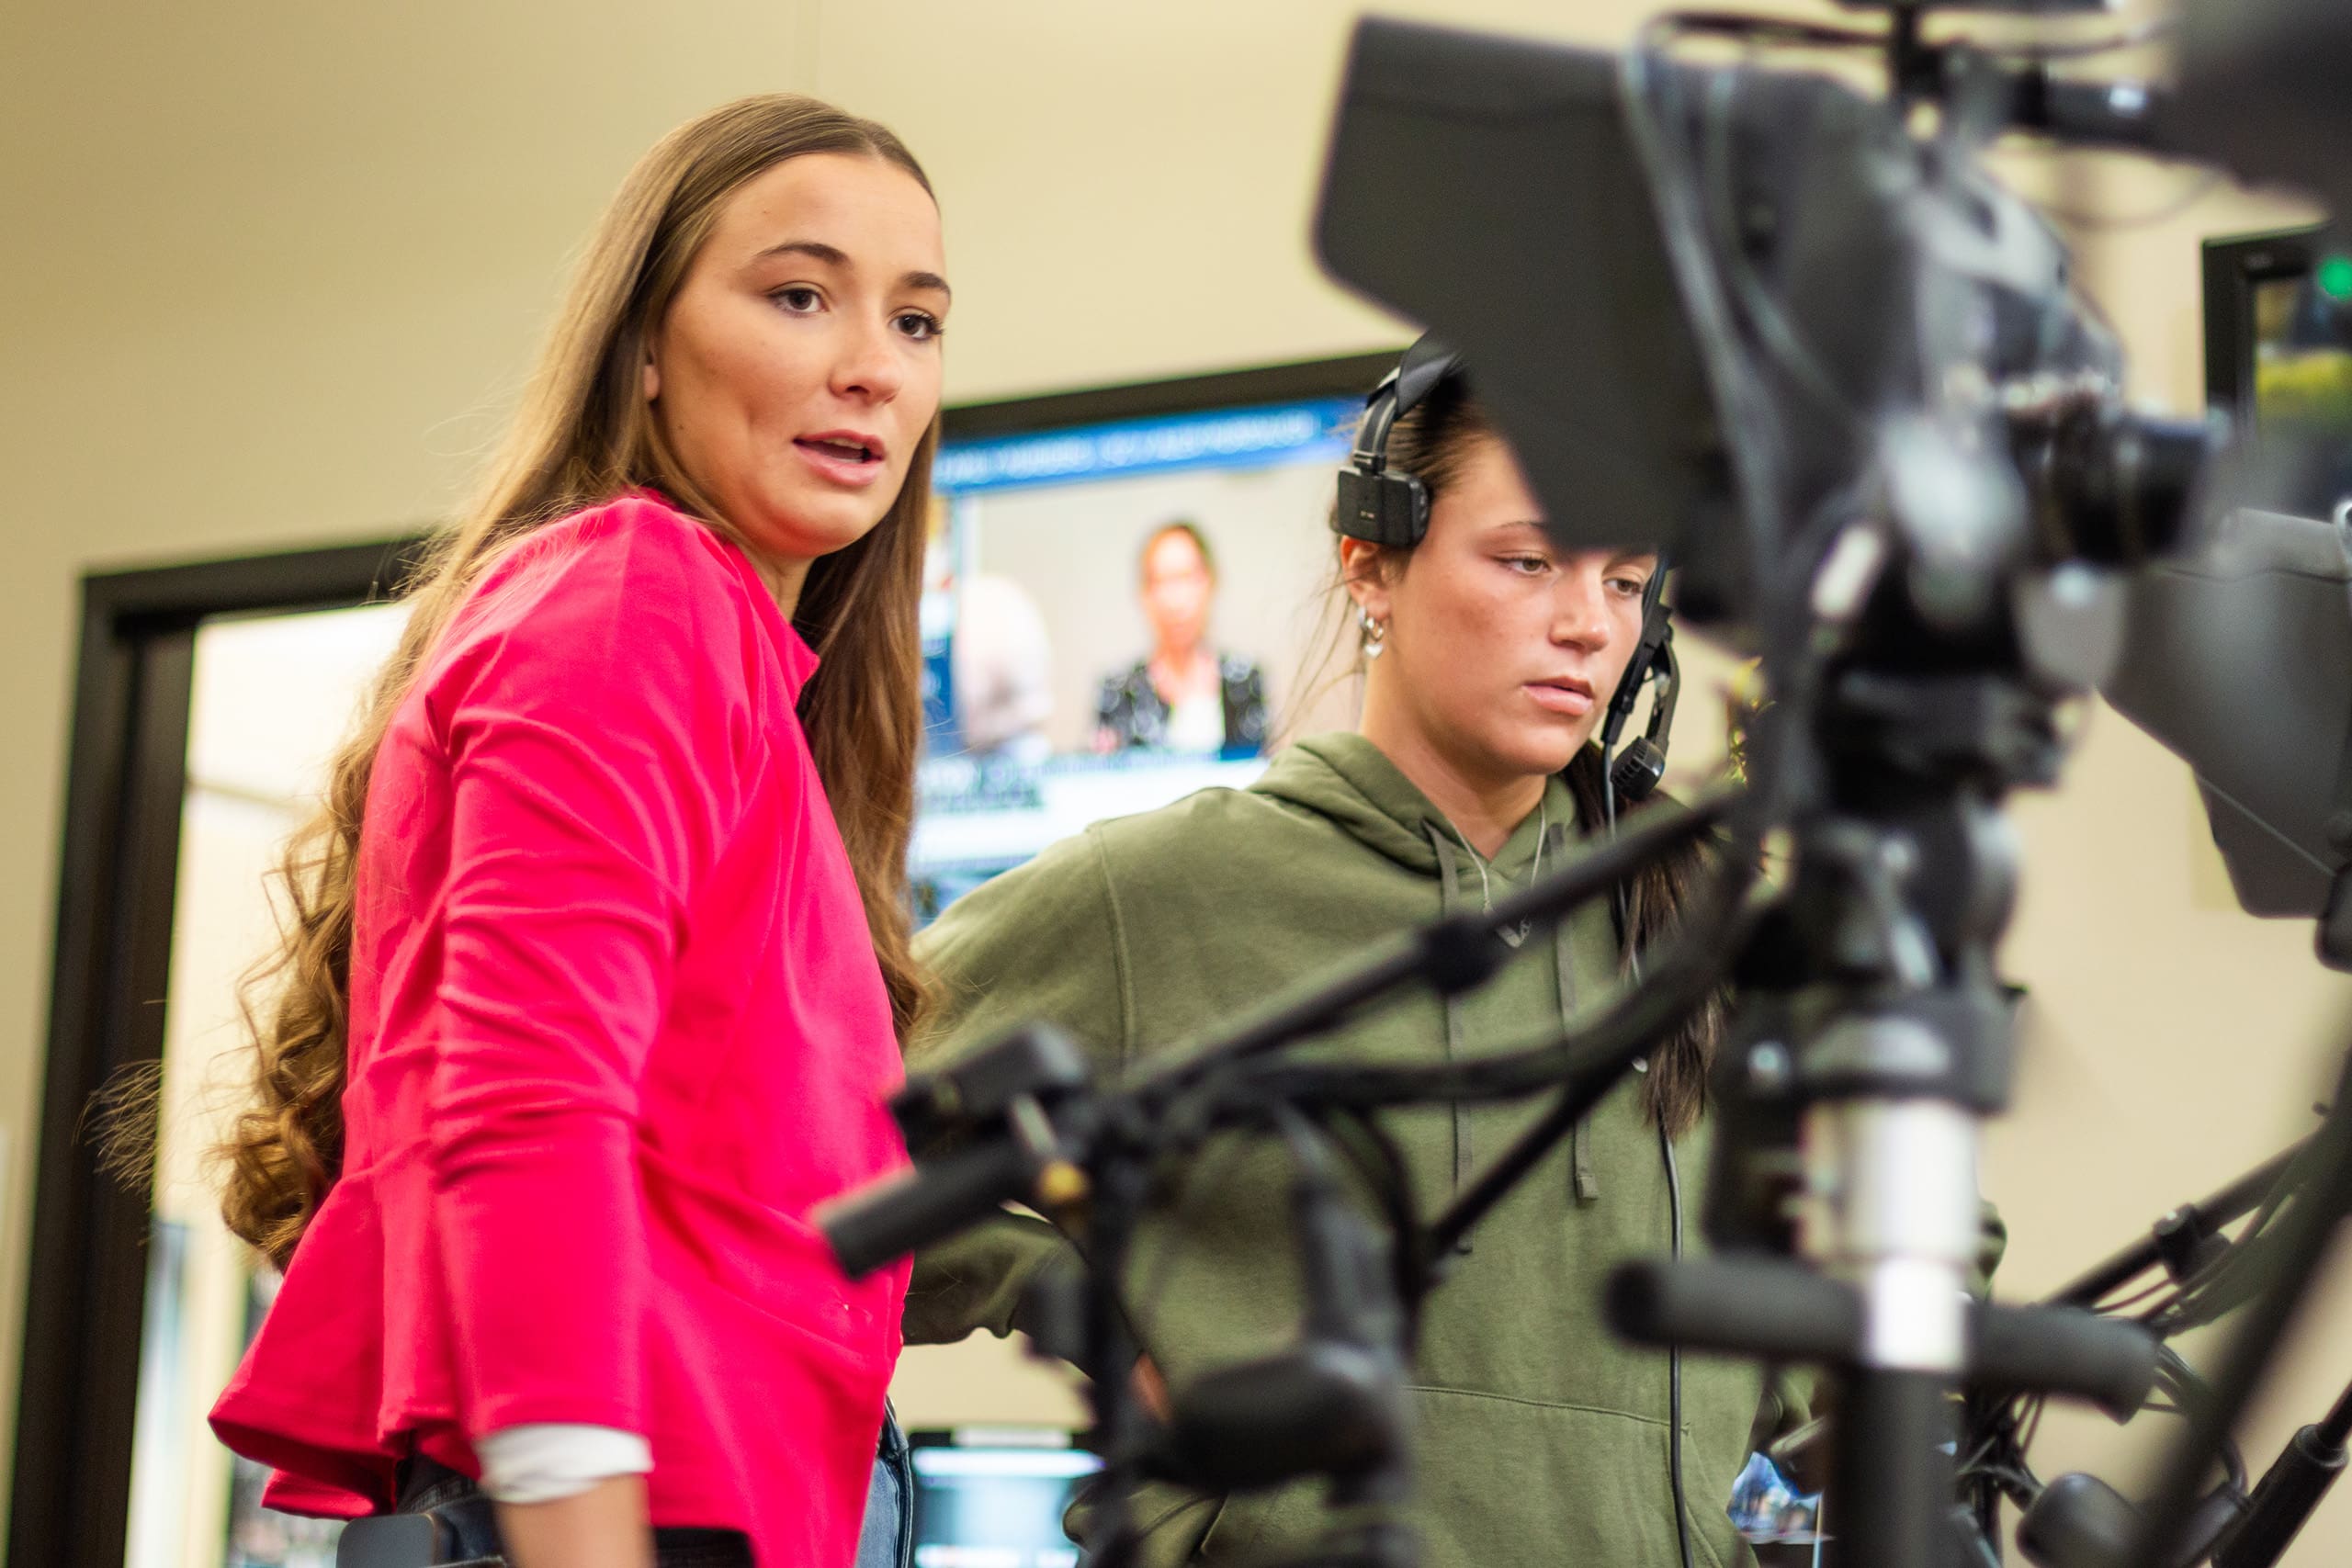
[{"x": 1402, "y": 391}]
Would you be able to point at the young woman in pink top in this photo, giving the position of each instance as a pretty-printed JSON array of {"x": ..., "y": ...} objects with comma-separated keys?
[{"x": 597, "y": 958}]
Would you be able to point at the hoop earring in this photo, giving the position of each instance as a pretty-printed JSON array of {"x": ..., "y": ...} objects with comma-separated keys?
[{"x": 1375, "y": 636}]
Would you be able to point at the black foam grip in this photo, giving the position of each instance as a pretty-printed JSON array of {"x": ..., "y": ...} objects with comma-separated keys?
[
  {"x": 938, "y": 1198},
  {"x": 2065, "y": 1350},
  {"x": 1749, "y": 1306},
  {"x": 1760, "y": 1306}
]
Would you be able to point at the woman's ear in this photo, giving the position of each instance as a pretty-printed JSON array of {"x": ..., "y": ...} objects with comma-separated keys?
[
  {"x": 649, "y": 375},
  {"x": 1361, "y": 567}
]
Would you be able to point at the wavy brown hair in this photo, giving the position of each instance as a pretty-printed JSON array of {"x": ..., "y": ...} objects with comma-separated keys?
[
  {"x": 585, "y": 434},
  {"x": 1435, "y": 440}
]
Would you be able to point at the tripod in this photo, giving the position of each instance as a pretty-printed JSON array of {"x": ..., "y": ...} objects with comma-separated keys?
[{"x": 1873, "y": 1036}]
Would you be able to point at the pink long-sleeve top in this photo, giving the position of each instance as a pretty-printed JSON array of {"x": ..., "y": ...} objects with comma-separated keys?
[{"x": 616, "y": 1027}]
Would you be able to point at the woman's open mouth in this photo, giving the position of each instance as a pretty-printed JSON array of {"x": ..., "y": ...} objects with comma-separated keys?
[{"x": 845, "y": 457}]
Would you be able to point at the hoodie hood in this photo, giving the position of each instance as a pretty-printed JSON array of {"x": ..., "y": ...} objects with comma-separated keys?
[{"x": 1351, "y": 783}]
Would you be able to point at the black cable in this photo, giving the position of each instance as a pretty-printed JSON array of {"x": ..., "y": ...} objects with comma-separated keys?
[
  {"x": 2229, "y": 1283},
  {"x": 1756, "y": 461},
  {"x": 1626, "y": 943},
  {"x": 1765, "y": 317},
  {"x": 1674, "y": 1362},
  {"x": 2292, "y": 1174},
  {"x": 2190, "y": 1395},
  {"x": 2125, "y": 1303},
  {"x": 2223, "y": 1285},
  {"x": 2263, "y": 1190}
]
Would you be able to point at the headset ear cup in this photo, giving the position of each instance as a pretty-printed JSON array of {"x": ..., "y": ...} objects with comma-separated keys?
[
  {"x": 1386, "y": 509},
  {"x": 1413, "y": 509}
]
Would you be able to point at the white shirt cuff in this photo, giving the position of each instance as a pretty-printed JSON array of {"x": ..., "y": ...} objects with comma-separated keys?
[{"x": 544, "y": 1462}]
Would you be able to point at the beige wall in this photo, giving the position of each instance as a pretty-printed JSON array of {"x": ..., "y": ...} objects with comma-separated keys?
[{"x": 272, "y": 269}]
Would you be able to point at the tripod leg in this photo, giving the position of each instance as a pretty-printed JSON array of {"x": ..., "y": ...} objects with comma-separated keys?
[{"x": 1894, "y": 1478}]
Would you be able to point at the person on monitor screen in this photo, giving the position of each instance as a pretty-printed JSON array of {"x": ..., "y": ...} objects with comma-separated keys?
[
  {"x": 1184, "y": 696},
  {"x": 1488, "y": 655},
  {"x": 988, "y": 659},
  {"x": 598, "y": 953}
]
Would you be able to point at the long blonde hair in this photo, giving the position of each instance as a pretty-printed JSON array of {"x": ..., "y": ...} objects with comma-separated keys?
[{"x": 585, "y": 434}]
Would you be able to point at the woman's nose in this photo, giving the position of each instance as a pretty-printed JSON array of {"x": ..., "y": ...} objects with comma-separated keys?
[
  {"x": 869, "y": 364},
  {"x": 1580, "y": 611}
]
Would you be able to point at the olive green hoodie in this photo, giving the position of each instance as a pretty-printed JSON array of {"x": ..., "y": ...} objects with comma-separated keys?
[{"x": 1539, "y": 1439}]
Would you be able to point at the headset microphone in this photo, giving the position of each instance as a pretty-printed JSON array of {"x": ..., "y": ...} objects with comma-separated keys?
[{"x": 1636, "y": 772}]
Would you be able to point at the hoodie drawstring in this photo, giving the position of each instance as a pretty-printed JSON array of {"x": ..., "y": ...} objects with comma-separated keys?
[
  {"x": 1588, "y": 1185},
  {"x": 1449, "y": 881}
]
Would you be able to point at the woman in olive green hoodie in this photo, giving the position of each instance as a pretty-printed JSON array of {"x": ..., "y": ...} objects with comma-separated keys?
[{"x": 1489, "y": 660}]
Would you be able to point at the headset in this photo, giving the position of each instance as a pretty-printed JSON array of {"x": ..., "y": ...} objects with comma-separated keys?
[{"x": 1385, "y": 506}]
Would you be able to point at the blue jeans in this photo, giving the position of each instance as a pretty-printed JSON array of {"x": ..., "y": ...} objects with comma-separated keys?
[{"x": 888, "y": 1539}]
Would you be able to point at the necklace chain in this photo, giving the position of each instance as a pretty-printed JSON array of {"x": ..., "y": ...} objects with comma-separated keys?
[{"x": 1534, "y": 870}]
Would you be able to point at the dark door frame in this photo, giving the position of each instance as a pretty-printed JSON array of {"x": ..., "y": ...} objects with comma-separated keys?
[{"x": 85, "y": 1292}]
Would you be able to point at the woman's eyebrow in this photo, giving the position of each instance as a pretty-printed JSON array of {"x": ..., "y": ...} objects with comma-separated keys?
[
  {"x": 814, "y": 250},
  {"x": 833, "y": 255}
]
